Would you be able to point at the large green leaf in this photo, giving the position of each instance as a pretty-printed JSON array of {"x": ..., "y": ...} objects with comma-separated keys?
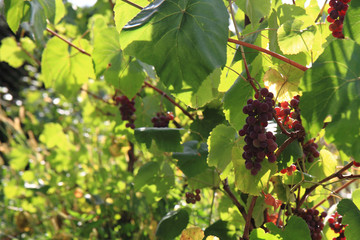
[
  {"x": 234, "y": 101},
  {"x": 172, "y": 224},
  {"x": 37, "y": 19},
  {"x": 167, "y": 139},
  {"x": 13, "y": 54},
  {"x": 246, "y": 182},
  {"x": 63, "y": 69},
  {"x": 124, "y": 12},
  {"x": 145, "y": 174},
  {"x": 332, "y": 87},
  {"x": 121, "y": 71},
  {"x": 192, "y": 160},
  {"x": 351, "y": 216},
  {"x": 49, "y": 7},
  {"x": 220, "y": 143},
  {"x": 293, "y": 38},
  {"x": 352, "y": 21},
  {"x": 14, "y": 12},
  {"x": 218, "y": 229},
  {"x": 295, "y": 229},
  {"x": 185, "y": 40},
  {"x": 19, "y": 157},
  {"x": 260, "y": 234},
  {"x": 255, "y": 9},
  {"x": 53, "y": 136}
]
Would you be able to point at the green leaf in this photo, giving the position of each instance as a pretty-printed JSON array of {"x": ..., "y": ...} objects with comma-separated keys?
[
  {"x": 218, "y": 229},
  {"x": 290, "y": 154},
  {"x": 65, "y": 69},
  {"x": 172, "y": 224},
  {"x": 255, "y": 9},
  {"x": 325, "y": 167},
  {"x": 53, "y": 136},
  {"x": 146, "y": 173},
  {"x": 234, "y": 101},
  {"x": 192, "y": 160},
  {"x": 14, "y": 12},
  {"x": 295, "y": 229},
  {"x": 356, "y": 197},
  {"x": 175, "y": 37},
  {"x": 49, "y": 8},
  {"x": 246, "y": 182},
  {"x": 167, "y": 139},
  {"x": 220, "y": 143},
  {"x": 121, "y": 71},
  {"x": 37, "y": 19},
  {"x": 351, "y": 216},
  {"x": 352, "y": 21},
  {"x": 294, "y": 39},
  {"x": 331, "y": 88},
  {"x": 124, "y": 12},
  {"x": 59, "y": 11},
  {"x": 260, "y": 234},
  {"x": 11, "y": 53},
  {"x": 209, "y": 178},
  {"x": 19, "y": 157}
]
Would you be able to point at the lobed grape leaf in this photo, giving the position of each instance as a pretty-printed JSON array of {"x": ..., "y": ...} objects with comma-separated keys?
[
  {"x": 19, "y": 157},
  {"x": 352, "y": 21},
  {"x": 184, "y": 40},
  {"x": 220, "y": 143},
  {"x": 351, "y": 216},
  {"x": 13, "y": 54},
  {"x": 14, "y": 12},
  {"x": 234, "y": 101},
  {"x": 260, "y": 234},
  {"x": 325, "y": 166},
  {"x": 172, "y": 224},
  {"x": 192, "y": 160},
  {"x": 332, "y": 88},
  {"x": 295, "y": 229},
  {"x": 167, "y": 139},
  {"x": 37, "y": 19},
  {"x": 246, "y": 182},
  {"x": 63, "y": 69},
  {"x": 293, "y": 38},
  {"x": 255, "y": 9},
  {"x": 145, "y": 174}
]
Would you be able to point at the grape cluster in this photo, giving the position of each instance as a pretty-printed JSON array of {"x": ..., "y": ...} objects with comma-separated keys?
[
  {"x": 259, "y": 143},
  {"x": 336, "y": 16},
  {"x": 336, "y": 225},
  {"x": 289, "y": 114},
  {"x": 162, "y": 120},
  {"x": 289, "y": 170},
  {"x": 127, "y": 110},
  {"x": 310, "y": 150},
  {"x": 314, "y": 220},
  {"x": 193, "y": 198}
]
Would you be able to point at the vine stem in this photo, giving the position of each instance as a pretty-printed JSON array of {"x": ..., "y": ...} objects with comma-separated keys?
[
  {"x": 248, "y": 219},
  {"x": 133, "y": 4},
  {"x": 68, "y": 42},
  {"x": 334, "y": 175},
  {"x": 276, "y": 55},
  {"x": 170, "y": 99},
  {"x": 95, "y": 96},
  {"x": 227, "y": 189},
  {"x": 336, "y": 191}
]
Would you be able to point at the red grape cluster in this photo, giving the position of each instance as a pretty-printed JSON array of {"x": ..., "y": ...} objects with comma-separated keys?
[
  {"x": 259, "y": 143},
  {"x": 162, "y": 120},
  {"x": 193, "y": 198},
  {"x": 289, "y": 114},
  {"x": 314, "y": 221},
  {"x": 127, "y": 110},
  {"x": 310, "y": 150},
  {"x": 336, "y": 225},
  {"x": 289, "y": 170},
  {"x": 336, "y": 16}
]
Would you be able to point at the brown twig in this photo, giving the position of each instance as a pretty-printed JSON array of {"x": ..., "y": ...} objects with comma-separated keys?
[
  {"x": 133, "y": 4},
  {"x": 227, "y": 189},
  {"x": 284, "y": 145},
  {"x": 278, "y": 56},
  {"x": 321, "y": 11},
  {"x": 132, "y": 158},
  {"x": 248, "y": 219},
  {"x": 335, "y": 192},
  {"x": 30, "y": 55},
  {"x": 95, "y": 96},
  {"x": 170, "y": 99},
  {"x": 312, "y": 188},
  {"x": 68, "y": 42}
]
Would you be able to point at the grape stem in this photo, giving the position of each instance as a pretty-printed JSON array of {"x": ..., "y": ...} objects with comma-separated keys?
[
  {"x": 337, "y": 174},
  {"x": 335, "y": 192},
  {"x": 248, "y": 218},
  {"x": 133, "y": 4},
  {"x": 227, "y": 189},
  {"x": 170, "y": 99},
  {"x": 278, "y": 56},
  {"x": 132, "y": 158},
  {"x": 95, "y": 96}
]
